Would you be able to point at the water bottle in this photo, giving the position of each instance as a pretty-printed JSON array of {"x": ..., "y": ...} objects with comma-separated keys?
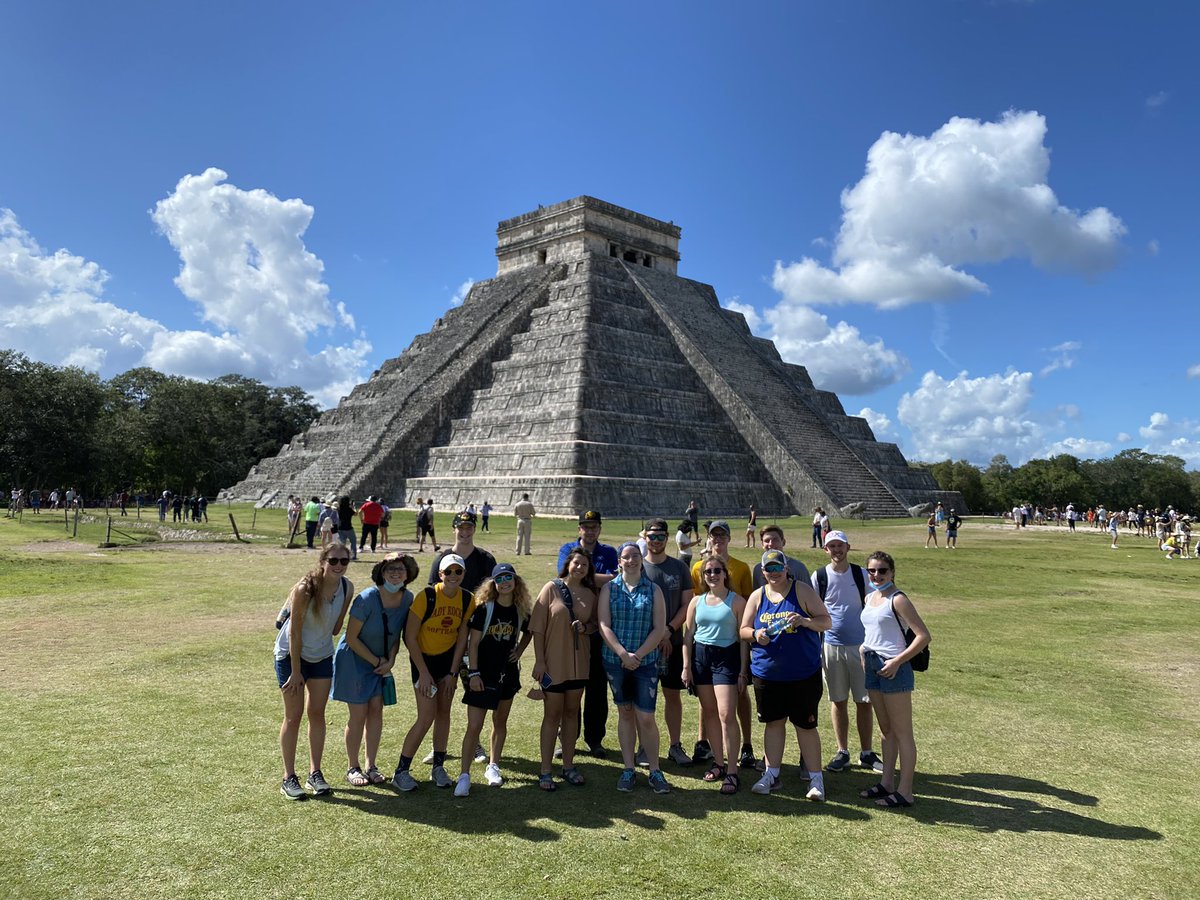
[{"x": 281, "y": 619}]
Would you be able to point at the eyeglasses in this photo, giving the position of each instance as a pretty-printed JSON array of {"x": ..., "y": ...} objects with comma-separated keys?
[
  {"x": 338, "y": 560},
  {"x": 878, "y": 571},
  {"x": 395, "y": 570},
  {"x": 502, "y": 578},
  {"x": 453, "y": 570},
  {"x": 774, "y": 567},
  {"x": 708, "y": 572}
]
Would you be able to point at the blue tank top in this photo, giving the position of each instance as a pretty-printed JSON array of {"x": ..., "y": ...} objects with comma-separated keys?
[
  {"x": 791, "y": 655},
  {"x": 714, "y": 624}
]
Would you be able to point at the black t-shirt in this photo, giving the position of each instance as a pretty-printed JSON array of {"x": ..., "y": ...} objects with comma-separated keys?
[
  {"x": 478, "y": 568},
  {"x": 498, "y": 643}
]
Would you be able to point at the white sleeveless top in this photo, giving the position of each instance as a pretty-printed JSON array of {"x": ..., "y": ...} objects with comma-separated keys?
[
  {"x": 316, "y": 633},
  {"x": 882, "y": 631}
]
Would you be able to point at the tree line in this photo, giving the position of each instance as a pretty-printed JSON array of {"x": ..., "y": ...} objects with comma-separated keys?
[
  {"x": 1118, "y": 482},
  {"x": 141, "y": 431}
]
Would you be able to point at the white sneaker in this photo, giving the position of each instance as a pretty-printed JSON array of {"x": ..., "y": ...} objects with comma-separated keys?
[
  {"x": 428, "y": 758},
  {"x": 817, "y": 791},
  {"x": 493, "y": 776},
  {"x": 481, "y": 755},
  {"x": 462, "y": 787},
  {"x": 766, "y": 784}
]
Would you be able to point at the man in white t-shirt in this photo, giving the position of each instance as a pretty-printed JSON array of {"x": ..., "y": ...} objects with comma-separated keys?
[{"x": 842, "y": 585}]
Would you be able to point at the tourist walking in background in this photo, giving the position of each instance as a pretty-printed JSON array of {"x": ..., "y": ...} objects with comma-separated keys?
[
  {"x": 485, "y": 513},
  {"x": 685, "y": 540},
  {"x": 345, "y": 514},
  {"x": 370, "y": 514},
  {"x": 524, "y": 512},
  {"x": 312, "y": 518},
  {"x": 818, "y": 513},
  {"x": 889, "y": 677},
  {"x": 751, "y": 525},
  {"x": 310, "y": 618},
  {"x": 384, "y": 523}
]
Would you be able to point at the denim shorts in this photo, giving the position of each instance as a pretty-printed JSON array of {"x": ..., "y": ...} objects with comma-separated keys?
[
  {"x": 639, "y": 687},
  {"x": 903, "y": 683},
  {"x": 308, "y": 670}
]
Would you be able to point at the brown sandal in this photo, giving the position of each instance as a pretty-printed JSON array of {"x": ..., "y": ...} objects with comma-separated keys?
[
  {"x": 715, "y": 773},
  {"x": 731, "y": 784}
]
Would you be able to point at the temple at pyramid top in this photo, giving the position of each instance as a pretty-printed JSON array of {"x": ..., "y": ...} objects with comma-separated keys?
[
  {"x": 589, "y": 375},
  {"x": 571, "y": 229}
]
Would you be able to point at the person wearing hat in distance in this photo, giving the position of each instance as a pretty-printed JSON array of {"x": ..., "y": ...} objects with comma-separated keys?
[
  {"x": 435, "y": 640},
  {"x": 841, "y": 660},
  {"x": 741, "y": 583},
  {"x": 498, "y": 633},
  {"x": 633, "y": 620},
  {"x": 366, "y": 655},
  {"x": 604, "y": 564},
  {"x": 675, "y": 581},
  {"x": 783, "y": 622}
]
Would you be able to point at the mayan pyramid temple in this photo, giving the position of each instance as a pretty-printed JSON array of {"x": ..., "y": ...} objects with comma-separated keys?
[{"x": 590, "y": 375}]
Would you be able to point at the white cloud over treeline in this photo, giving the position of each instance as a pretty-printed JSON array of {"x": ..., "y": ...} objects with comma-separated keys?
[{"x": 243, "y": 264}]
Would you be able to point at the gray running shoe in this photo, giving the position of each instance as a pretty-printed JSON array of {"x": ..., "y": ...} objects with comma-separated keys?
[
  {"x": 439, "y": 777},
  {"x": 627, "y": 780},
  {"x": 678, "y": 755},
  {"x": 641, "y": 759},
  {"x": 839, "y": 763},
  {"x": 658, "y": 782},
  {"x": 403, "y": 781},
  {"x": 291, "y": 788},
  {"x": 766, "y": 784},
  {"x": 320, "y": 787}
]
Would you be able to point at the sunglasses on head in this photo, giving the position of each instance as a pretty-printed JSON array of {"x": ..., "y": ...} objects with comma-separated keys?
[
  {"x": 882, "y": 571},
  {"x": 502, "y": 578},
  {"x": 338, "y": 560}
]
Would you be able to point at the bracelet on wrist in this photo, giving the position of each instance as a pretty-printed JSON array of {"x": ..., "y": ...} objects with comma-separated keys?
[{"x": 474, "y": 675}]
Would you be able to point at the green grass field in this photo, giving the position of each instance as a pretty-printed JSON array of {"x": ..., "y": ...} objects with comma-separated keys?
[{"x": 1057, "y": 731}]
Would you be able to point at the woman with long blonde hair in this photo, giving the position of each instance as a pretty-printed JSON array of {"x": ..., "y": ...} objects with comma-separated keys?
[
  {"x": 312, "y": 615},
  {"x": 498, "y": 633}
]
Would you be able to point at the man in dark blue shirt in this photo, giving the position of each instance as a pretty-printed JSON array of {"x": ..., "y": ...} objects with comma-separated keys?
[{"x": 595, "y": 697}]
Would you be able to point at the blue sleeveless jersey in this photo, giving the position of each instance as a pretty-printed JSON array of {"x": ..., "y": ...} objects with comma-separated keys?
[{"x": 791, "y": 655}]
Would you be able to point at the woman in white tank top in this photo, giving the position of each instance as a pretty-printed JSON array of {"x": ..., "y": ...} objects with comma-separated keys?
[{"x": 889, "y": 677}]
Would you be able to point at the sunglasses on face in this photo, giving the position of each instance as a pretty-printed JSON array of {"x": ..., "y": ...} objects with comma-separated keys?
[
  {"x": 774, "y": 567},
  {"x": 878, "y": 571},
  {"x": 338, "y": 560},
  {"x": 453, "y": 570},
  {"x": 502, "y": 579},
  {"x": 710, "y": 572},
  {"x": 656, "y": 535}
]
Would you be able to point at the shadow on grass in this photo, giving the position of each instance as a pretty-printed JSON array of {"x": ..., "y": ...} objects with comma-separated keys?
[
  {"x": 983, "y": 801},
  {"x": 522, "y": 809}
]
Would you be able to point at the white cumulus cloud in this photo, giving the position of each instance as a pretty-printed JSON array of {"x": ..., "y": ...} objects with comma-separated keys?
[
  {"x": 461, "y": 294},
  {"x": 1081, "y": 448},
  {"x": 243, "y": 263},
  {"x": 1164, "y": 435},
  {"x": 971, "y": 193},
  {"x": 972, "y": 418},
  {"x": 1194, "y": 371},
  {"x": 838, "y": 358},
  {"x": 881, "y": 425}
]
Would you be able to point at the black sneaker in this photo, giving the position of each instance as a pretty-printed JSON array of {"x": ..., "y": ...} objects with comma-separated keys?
[
  {"x": 701, "y": 753},
  {"x": 598, "y": 751},
  {"x": 747, "y": 760},
  {"x": 868, "y": 760},
  {"x": 291, "y": 788},
  {"x": 839, "y": 763},
  {"x": 320, "y": 787}
]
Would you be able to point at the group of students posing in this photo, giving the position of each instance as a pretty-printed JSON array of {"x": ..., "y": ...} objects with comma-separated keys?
[{"x": 606, "y": 622}]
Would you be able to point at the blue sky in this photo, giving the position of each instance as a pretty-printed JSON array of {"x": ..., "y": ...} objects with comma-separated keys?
[{"x": 972, "y": 220}]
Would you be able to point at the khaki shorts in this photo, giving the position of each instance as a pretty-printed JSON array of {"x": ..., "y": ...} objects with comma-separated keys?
[{"x": 844, "y": 674}]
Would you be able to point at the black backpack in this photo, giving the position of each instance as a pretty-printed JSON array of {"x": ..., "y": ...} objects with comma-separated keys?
[{"x": 860, "y": 582}]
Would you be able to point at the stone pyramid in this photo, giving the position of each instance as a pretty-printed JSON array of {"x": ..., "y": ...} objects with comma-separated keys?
[{"x": 589, "y": 375}]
